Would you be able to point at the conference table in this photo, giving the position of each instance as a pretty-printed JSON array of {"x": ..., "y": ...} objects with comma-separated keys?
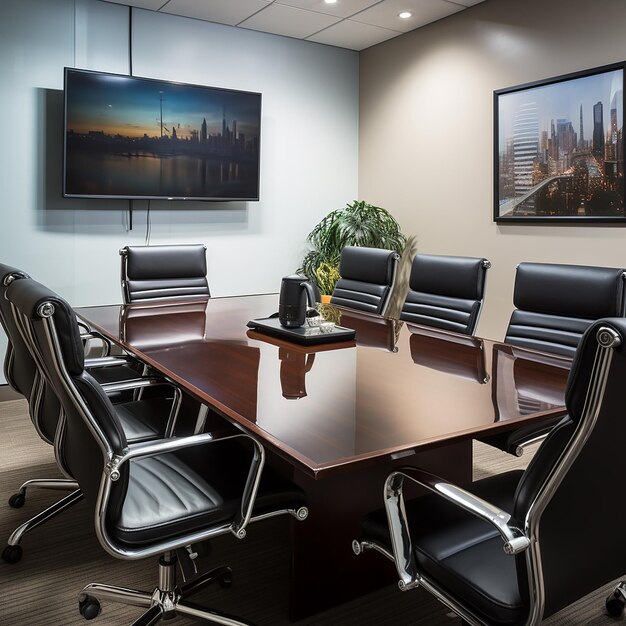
[{"x": 337, "y": 417}]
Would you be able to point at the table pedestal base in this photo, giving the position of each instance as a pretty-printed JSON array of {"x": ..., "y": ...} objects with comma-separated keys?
[{"x": 326, "y": 572}]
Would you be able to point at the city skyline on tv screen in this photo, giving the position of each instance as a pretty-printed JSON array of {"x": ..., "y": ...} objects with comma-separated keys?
[{"x": 129, "y": 137}]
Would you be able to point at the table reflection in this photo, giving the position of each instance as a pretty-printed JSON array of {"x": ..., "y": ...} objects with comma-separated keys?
[
  {"x": 180, "y": 323},
  {"x": 371, "y": 330},
  {"x": 453, "y": 354},
  {"x": 294, "y": 366},
  {"x": 527, "y": 382}
]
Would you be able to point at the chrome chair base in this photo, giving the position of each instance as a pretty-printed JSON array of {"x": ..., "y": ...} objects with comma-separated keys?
[
  {"x": 12, "y": 553},
  {"x": 17, "y": 500},
  {"x": 166, "y": 601}
]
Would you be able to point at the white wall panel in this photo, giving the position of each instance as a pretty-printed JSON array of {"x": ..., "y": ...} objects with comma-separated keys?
[{"x": 309, "y": 145}]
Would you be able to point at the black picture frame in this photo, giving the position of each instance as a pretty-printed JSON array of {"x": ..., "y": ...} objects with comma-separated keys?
[{"x": 559, "y": 149}]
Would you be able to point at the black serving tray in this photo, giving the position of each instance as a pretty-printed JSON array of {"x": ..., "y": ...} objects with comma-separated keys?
[{"x": 271, "y": 326}]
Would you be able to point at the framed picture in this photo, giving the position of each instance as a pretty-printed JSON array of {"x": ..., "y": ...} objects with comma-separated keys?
[{"x": 559, "y": 149}]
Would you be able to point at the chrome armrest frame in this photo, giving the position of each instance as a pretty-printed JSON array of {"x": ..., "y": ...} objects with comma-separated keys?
[
  {"x": 108, "y": 361},
  {"x": 515, "y": 541},
  {"x": 94, "y": 334},
  {"x": 519, "y": 447},
  {"x": 136, "y": 383}
]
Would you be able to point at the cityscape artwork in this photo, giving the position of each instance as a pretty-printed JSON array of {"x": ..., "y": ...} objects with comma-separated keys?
[{"x": 559, "y": 149}]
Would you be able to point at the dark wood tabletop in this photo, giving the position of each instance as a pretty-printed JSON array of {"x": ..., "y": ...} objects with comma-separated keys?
[{"x": 395, "y": 391}]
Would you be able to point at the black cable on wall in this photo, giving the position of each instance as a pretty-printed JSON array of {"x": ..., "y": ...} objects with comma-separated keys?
[{"x": 130, "y": 72}]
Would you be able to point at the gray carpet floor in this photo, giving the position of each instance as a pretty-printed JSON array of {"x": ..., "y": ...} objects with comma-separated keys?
[{"x": 63, "y": 555}]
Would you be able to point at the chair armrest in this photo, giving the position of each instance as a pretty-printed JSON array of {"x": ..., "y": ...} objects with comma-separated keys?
[
  {"x": 137, "y": 383},
  {"x": 515, "y": 541},
  {"x": 94, "y": 334},
  {"x": 108, "y": 361},
  {"x": 154, "y": 448},
  {"x": 142, "y": 383},
  {"x": 83, "y": 327}
]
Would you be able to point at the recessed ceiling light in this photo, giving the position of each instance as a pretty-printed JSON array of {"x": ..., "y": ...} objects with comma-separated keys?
[
  {"x": 330, "y": 1},
  {"x": 405, "y": 15}
]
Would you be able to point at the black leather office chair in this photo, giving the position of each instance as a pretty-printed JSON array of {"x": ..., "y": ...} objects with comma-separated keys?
[
  {"x": 367, "y": 276},
  {"x": 446, "y": 292},
  {"x": 22, "y": 374},
  {"x": 555, "y": 304},
  {"x": 517, "y": 547},
  {"x": 153, "y": 497},
  {"x": 161, "y": 273}
]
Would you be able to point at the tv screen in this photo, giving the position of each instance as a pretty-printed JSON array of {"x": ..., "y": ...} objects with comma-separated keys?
[{"x": 138, "y": 138}]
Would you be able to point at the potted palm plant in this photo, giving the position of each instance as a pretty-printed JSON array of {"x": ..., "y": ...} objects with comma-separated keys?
[{"x": 357, "y": 224}]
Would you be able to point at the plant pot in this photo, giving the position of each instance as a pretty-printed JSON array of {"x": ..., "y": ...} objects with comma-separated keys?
[{"x": 325, "y": 298}]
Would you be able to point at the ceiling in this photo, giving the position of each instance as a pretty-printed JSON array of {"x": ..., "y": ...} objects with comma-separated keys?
[{"x": 353, "y": 24}]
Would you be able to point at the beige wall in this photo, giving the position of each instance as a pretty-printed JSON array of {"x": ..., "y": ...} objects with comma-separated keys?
[{"x": 426, "y": 126}]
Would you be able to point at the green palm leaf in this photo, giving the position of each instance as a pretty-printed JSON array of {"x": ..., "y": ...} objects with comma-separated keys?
[{"x": 357, "y": 224}]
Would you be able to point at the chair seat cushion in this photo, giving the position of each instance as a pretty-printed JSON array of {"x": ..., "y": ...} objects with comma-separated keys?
[
  {"x": 171, "y": 495},
  {"x": 460, "y": 553},
  {"x": 142, "y": 420}
]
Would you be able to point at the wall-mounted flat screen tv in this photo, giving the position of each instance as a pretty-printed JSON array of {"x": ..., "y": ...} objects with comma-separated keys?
[{"x": 138, "y": 138}]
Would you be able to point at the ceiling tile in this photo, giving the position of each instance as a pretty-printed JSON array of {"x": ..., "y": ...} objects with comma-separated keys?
[
  {"x": 385, "y": 14},
  {"x": 153, "y": 5},
  {"x": 342, "y": 8},
  {"x": 283, "y": 20},
  {"x": 353, "y": 35},
  {"x": 221, "y": 11},
  {"x": 353, "y": 24}
]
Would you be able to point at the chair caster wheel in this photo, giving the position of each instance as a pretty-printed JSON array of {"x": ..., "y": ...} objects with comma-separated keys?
[
  {"x": 16, "y": 501},
  {"x": 615, "y": 604},
  {"x": 12, "y": 554},
  {"x": 226, "y": 580},
  {"x": 88, "y": 606}
]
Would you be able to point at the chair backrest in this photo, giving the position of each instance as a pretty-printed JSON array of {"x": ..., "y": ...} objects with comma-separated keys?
[
  {"x": 156, "y": 273},
  {"x": 367, "y": 276},
  {"x": 556, "y": 303},
  {"x": 20, "y": 369},
  {"x": 91, "y": 430},
  {"x": 446, "y": 292},
  {"x": 570, "y": 497}
]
